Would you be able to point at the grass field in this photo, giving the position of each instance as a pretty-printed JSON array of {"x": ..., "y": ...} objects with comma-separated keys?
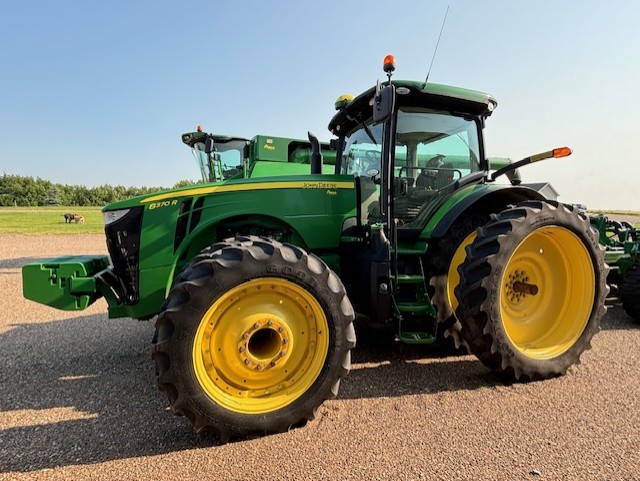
[{"x": 49, "y": 220}]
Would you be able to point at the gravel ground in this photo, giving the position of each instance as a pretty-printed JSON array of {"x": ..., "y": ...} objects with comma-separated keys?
[{"x": 78, "y": 401}]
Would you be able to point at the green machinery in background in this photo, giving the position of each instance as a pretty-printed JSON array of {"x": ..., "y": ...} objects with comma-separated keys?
[
  {"x": 622, "y": 243},
  {"x": 258, "y": 276},
  {"x": 263, "y": 156}
]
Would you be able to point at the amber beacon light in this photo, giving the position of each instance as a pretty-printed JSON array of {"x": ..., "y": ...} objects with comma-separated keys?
[{"x": 389, "y": 63}]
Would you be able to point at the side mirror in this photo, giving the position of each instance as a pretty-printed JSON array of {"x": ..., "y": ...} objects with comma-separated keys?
[
  {"x": 383, "y": 103},
  {"x": 209, "y": 146}
]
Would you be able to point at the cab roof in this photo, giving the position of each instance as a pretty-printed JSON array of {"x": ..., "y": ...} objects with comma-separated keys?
[{"x": 415, "y": 94}]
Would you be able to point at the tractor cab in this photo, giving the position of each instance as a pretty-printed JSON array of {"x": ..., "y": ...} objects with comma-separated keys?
[
  {"x": 423, "y": 185},
  {"x": 427, "y": 145}
]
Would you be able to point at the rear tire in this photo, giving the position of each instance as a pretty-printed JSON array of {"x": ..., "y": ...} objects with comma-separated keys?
[
  {"x": 630, "y": 293},
  {"x": 254, "y": 336},
  {"x": 532, "y": 290},
  {"x": 449, "y": 253}
]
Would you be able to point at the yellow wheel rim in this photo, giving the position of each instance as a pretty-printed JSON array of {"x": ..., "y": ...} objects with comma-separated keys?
[
  {"x": 453, "y": 277},
  {"x": 547, "y": 292},
  {"x": 261, "y": 346}
]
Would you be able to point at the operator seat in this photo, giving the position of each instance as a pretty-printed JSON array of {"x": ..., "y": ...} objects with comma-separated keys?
[{"x": 428, "y": 177}]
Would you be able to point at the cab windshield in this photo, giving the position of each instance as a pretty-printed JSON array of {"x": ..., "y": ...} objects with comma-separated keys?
[
  {"x": 223, "y": 163},
  {"x": 435, "y": 148}
]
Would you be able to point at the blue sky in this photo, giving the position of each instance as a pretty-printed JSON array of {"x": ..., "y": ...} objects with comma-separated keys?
[{"x": 99, "y": 92}]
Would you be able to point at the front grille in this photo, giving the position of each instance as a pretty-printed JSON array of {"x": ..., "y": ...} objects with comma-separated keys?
[
  {"x": 197, "y": 213},
  {"x": 181, "y": 225},
  {"x": 123, "y": 242}
]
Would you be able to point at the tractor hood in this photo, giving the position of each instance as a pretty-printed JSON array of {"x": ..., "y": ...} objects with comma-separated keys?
[
  {"x": 415, "y": 94},
  {"x": 162, "y": 194},
  {"x": 170, "y": 197}
]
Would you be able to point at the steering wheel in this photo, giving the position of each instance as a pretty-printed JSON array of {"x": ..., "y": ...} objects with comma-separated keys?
[
  {"x": 372, "y": 157},
  {"x": 372, "y": 167}
]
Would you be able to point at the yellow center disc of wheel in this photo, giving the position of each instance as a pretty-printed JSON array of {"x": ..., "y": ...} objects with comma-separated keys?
[
  {"x": 261, "y": 346},
  {"x": 547, "y": 292}
]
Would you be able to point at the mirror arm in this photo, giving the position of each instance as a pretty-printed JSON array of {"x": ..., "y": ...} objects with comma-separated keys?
[{"x": 559, "y": 152}]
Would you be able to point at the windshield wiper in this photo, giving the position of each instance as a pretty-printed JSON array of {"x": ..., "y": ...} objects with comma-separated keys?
[{"x": 366, "y": 129}]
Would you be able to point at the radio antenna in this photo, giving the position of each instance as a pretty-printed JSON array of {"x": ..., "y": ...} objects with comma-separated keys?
[{"x": 437, "y": 44}]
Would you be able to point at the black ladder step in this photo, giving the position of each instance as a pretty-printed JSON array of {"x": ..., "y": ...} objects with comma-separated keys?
[
  {"x": 408, "y": 251},
  {"x": 416, "y": 307},
  {"x": 409, "y": 279}
]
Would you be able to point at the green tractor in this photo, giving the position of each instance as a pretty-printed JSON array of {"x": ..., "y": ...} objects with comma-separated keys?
[
  {"x": 622, "y": 243},
  {"x": 221, "y": 157},
  {"x": 257, "y": 280}
]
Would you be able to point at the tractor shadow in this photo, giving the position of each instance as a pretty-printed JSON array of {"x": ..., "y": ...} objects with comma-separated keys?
[
  {"x": 382, "y": 367},
  {"x": 616, "y": 318},
  {"x": 17, "y": 263},
  {"x": 82, "y": 391}
]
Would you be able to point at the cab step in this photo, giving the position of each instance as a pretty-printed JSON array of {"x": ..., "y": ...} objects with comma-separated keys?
[
  {"x": 416, "y": 308},
  {"x": 409, "y": 279},
  {"x": 416, "y": 337}
]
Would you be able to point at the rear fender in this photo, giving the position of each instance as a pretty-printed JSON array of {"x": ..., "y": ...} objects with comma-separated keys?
[{"x": 491, "y": 199}]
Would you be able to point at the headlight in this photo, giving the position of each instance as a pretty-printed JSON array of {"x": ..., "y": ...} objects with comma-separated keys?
[{"x": 111, "y": 216}]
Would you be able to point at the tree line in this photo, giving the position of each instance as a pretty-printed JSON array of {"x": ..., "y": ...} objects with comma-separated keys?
[{"x": 23, "y": 191}]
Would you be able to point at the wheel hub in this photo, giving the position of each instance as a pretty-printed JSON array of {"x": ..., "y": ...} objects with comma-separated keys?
[
  {"x": 518, "y": 287},
  {"x": 265, "y": 344}
]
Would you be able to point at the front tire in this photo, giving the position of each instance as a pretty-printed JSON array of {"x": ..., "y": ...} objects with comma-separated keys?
[
  {"x": 254, "y": 336},
  {"x": 532, "y": 290}
]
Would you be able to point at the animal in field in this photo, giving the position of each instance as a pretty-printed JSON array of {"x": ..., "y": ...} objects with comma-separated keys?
[
  {"x": 78, "y": 219},
  {"x": 68, "y": 218}
]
